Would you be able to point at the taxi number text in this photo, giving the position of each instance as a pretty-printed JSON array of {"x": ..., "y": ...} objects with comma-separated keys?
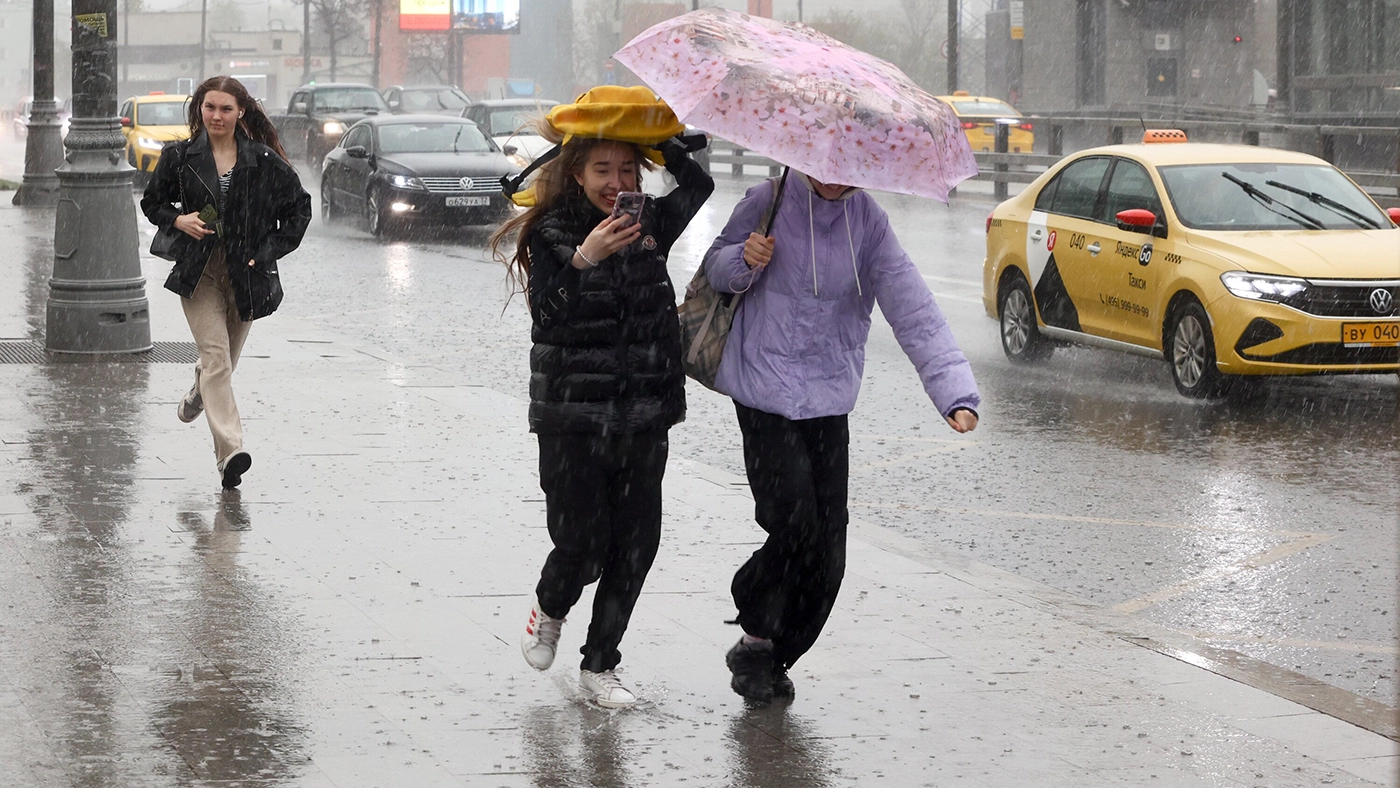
[
  {"x": 467, "y": 202},
  {"x": 1371, "y": 334}
]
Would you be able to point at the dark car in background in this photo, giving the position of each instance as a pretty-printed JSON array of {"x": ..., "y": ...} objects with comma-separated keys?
[
  {"x": 432, "y": 99},
  {"x": 420, "y": 169},
  {"x": 317, "y": 115}
]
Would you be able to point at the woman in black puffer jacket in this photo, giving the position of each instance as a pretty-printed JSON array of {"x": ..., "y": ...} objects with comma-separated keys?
[{"x": 606, "y": 384}]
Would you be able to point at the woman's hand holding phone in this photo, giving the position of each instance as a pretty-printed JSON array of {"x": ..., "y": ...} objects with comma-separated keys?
[{"x": 611, "y": 236}]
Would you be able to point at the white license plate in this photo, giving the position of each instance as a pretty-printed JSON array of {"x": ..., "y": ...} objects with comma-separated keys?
[{"x": 467, "y": 202}]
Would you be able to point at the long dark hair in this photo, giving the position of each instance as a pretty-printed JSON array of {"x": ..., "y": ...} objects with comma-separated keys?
[
  {"x": 553, "y": 184},
  {"x": 254, "y": 124}
]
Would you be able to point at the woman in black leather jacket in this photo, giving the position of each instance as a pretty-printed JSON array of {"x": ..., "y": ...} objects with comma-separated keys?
[{"x": 236, "y": 207}]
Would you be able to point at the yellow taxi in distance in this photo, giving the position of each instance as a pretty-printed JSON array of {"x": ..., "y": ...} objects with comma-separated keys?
[
  {"x": 151, "y": 122},
  {"x": 979, "y": 116},
  {"x": 1226, "y": 260}
]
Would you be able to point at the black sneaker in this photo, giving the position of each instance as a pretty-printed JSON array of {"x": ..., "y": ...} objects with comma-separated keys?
[
  {"x": 752, "y": 666},
  {"x": 782, "y": 685},
  {"x": 234, "y": 466}
]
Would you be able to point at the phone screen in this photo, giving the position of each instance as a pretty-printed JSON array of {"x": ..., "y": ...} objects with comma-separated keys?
[{"x": 629, "y": 204}]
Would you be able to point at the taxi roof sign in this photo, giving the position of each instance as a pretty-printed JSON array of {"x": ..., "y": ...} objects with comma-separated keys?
[{"x": 1162, "y": 136}]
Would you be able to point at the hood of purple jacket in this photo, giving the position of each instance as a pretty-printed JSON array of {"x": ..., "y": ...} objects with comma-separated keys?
[{"x": 797, "y": 346}]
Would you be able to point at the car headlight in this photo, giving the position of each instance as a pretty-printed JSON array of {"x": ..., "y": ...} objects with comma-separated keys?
[
  {"x": 1258, "y": 287},
  {"x": 148, "y": 143},
  {"x": 518, "y": 160},
  {"x": 333, "y": 127},
  {"x": 405, "y": 182}
]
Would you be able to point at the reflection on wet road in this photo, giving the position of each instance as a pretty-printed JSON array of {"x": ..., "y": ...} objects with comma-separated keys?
[{"x": 348, "y": 618}]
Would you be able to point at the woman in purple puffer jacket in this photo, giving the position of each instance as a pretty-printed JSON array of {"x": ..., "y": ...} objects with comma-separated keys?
[{"x": 793, "y": 364}]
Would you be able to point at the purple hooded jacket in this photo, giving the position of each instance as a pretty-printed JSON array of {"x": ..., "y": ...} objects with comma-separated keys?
[{"x": 797, "y": 347}]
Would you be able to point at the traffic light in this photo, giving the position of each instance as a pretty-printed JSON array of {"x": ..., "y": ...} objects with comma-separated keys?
[{"x": 1238, "y": 39}]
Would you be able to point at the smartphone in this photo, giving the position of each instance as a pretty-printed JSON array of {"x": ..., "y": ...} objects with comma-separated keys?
[{"x": 629, "y": 204}]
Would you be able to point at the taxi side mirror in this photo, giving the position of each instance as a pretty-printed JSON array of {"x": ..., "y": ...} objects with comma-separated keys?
[
  {"x": 1394, "y": 214},
  {"x": 1136, "y": 220},
  {"x": 126, "y": 123},
  {"x": 299, "y": 108}
]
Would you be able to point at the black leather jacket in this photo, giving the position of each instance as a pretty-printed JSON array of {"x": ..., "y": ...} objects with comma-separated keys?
[
  {"x": 264, "y": 217},
  {"x": 607, "y": 352}
]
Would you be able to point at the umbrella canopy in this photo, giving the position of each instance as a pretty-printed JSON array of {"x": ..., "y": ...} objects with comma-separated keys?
[{"x": 804, "y": 99}]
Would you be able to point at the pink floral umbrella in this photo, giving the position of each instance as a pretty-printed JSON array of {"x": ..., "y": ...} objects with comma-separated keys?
[{"x": 804, "y": 99}]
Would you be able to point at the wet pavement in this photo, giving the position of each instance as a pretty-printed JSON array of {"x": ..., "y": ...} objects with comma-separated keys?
[{"x": 351, "y": 616}]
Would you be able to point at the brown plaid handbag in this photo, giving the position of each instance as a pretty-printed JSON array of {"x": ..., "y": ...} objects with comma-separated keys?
[{"x": 707, "y": 314}]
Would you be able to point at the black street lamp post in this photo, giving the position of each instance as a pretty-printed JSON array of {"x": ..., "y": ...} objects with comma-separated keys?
[
  {"x": 97, "y": 297},
  {"x": 43, "y": 146}
]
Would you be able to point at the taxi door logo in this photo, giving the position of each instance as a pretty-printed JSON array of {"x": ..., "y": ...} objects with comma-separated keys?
[{"x": 1050, "y": 242}]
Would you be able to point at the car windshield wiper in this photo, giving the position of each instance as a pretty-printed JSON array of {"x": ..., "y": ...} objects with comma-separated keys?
[
  {"x": 1268, "y": 202},
  {"x": 1361, "y": 219},
  {"x": 458, "y": 137}
]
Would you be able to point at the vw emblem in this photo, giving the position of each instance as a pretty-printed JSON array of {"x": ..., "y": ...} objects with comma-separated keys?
[
  {"x": 466, "y": 184},
  {"x": 1382, "y": 302}
]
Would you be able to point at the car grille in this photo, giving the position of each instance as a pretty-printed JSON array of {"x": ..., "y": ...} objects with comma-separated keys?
[
  {"x": 1350, "y": 299},
  {"x": 485, "y": 184}
]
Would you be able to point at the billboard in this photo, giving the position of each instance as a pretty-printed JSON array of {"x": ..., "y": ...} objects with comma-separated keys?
[
  {"x": 486, "y": 16},
  {"x": 425, "y": 14}
]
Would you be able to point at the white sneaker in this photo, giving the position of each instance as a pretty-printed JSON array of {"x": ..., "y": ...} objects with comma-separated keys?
[
  {"x": 605, "y": 689},
  {"x": 541, "y": 638}
]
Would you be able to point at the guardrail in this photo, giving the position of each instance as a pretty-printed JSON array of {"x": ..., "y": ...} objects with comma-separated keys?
[{"x": 1003, "y": 169}]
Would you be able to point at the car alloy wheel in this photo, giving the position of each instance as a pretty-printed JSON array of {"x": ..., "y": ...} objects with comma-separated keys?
[
  {"x": 1020, "y": 337},
  {"x": 375, "y": 214},
  {"x": 1192, "y": 352},
  {"x": 328, "y": 212}
]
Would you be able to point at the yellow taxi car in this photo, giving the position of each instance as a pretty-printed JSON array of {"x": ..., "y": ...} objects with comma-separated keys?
[
  {"x": 1226, "y": 260},
  {"x": 979, "y": 116},
  {"x": 151, "y": 122}
]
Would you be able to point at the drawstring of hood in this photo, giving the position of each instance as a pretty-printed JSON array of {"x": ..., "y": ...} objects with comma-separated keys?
[
  {"x": 812, "y": 240},
  {"x": 851, "y": 241}
]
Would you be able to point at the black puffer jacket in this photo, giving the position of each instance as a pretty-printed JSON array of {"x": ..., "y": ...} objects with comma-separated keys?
[
  {"x": 265, "y": 215},
  {"x": 607, "y": 354}
]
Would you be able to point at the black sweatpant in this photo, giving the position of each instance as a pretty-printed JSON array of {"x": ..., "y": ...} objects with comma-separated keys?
[
  {"x": 798, "y": 473},
  {"x": 603, "y": 504}
]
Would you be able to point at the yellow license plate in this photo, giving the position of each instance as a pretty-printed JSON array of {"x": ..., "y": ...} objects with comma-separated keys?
[{"x": 1373, "y": 334}]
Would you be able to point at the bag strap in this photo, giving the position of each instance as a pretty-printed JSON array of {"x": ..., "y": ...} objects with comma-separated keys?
[{"x": 766, "y": 222}]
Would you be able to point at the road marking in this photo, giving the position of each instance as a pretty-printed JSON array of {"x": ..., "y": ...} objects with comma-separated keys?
[
  {"x": 1256, "y": 561},
  {"x": 1074, "y": 518},
  {"x": 909, "y": 458},
  {"x": 1364, "y": 646},
  {"x": 1298, "y": 542},
  {"x": 950, "y": 280}
]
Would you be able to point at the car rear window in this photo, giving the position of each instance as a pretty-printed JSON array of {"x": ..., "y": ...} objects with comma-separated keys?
[
  {"x": 1204, "y": 199},
  {"x": 515, "y": 120},
  {"x": 420, "y": 100},
  {"x": 161, "y": 113},
  {"x": 998, "y": 108},
  {"x": 1075, "y": 191},
  {"x": 349, "y": 99},
  {"x": 432, "y": 138}
]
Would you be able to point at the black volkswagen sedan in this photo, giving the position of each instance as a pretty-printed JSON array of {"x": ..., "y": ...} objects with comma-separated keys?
[{"x": 415, "y": 168}]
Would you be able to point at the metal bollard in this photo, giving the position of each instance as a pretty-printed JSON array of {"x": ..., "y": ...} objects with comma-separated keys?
[{"x": 1002, "y": 147}]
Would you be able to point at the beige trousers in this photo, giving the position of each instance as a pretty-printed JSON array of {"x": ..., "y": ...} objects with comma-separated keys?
[{"x": 219, "y": 334}]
